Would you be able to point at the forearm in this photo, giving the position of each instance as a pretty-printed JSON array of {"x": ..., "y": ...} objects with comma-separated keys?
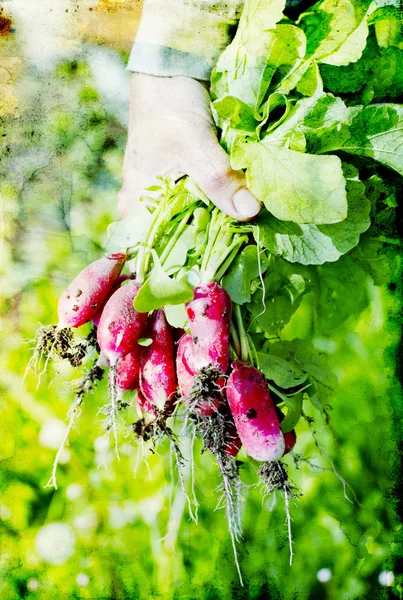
[{"x": 183, "y": 37}]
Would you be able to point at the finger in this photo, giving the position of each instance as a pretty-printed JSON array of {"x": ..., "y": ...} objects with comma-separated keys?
[{"x": 208, "y": 164}]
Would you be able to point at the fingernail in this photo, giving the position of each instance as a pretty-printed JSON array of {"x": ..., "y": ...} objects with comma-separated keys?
[{"x": 246, "y": 205}]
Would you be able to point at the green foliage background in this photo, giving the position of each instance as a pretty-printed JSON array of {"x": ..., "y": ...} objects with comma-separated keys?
[{"x": 127, "y": 523}]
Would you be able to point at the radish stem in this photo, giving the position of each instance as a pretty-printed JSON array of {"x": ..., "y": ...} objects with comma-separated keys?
[
  {"x": 176, "y": 236},
  {"x": 245, "y": 351},
  {"x": 212, "y": 236},
  {"x": 142, "y": 257},
  {"x": 229, "y": 256},
  {"x": 254, "y": 359},
  {"x": 235, "y": 340}
]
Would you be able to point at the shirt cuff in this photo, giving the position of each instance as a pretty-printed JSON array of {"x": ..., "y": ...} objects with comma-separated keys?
[
  {"x": 167, "y": 62},
  {"x": 183, "y": 37}
]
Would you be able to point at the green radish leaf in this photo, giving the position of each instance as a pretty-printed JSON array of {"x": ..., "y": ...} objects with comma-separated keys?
[
  {"x": 153, "y": 188},
  {"x": 260, "y": 54},
  {"x": 283, "y": 371},
  {"x": 294, "y": 411},
  {"x": 297, "y": 141},
  {"x": 176, "y": 315},
  {"x": 375, "y": 131},
  {"x": 336, "y": 33},
  {"x": 315, "y": 399},
  {"x": 131, "y": 231},
  {"x": 377, "y": 250},
  {"x": 363, "y": 75},
  {"x": 236, "y": 113},
  {"x": 160, "y": 290},
  {"x": 310, "y": 83},
  {"x": 310, "y": 116},
  {"x": 201, "y": 219},
  {"x": 294, "y": 186},
  {"x": 316, "y": 364},
  {"x": 341, "y": 291},
  {"x": 284, "y": 288},
  {"x": 240, "y": 68},
  {"x": 177, "y": 257},
  {"x": 317, "y": 244},
  {"x": 331, "y": 30},
  {"x": 243, "y": 270},
  {"x": 388, "y": 26},
  {"x": 352, "y": 47},
  {"x": 145, "y": 342},
  {"x": 295, "y": 287},
  {"x": 327, "y": 112},
  {"x": 376, "y": 259},
  {"x": 276, "y": 314},
  {"x": 274, "y": 101}
]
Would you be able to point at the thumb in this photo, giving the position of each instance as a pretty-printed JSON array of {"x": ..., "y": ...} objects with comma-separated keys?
[{"x": 208, "y": 164}]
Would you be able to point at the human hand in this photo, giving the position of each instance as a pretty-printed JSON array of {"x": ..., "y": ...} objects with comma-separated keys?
[{"x": 172, "y": 133}]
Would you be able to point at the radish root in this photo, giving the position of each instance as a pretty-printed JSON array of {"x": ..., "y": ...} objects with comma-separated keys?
[
  {"x": 52, "y": 343},
  {"x": 212, "y": 430},
  {"x": 231, "y": 488},
  {"x": 82, "y": 386},
  {"x": 111, "y": 410},
  {"x": 326, "y": 456},
  {"x": 274, "y": 477},
  {"x": 154, "y": 431}
]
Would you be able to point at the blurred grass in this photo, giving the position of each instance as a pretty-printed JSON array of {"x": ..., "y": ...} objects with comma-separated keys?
[{"x": 122, "y": 536}]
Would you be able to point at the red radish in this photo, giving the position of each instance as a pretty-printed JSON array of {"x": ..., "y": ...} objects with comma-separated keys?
[
  {"x": 82, "y": 299},
  {"x": 254, "y": 413},
  {"x": 145, "y": 409},
  {"x": 158, "y": 380},
  {"x": 128, "y": 371},
  {"x": 121, "y": 326},
  {"x": 234, "y": 443},
  {"x": 186, "y": 370},
  {"x": 290, "y": 437},
  {"x": 178, "y": 333},
  {"x": 96, "y": 319},
  {"x": 209, "y": 315},
  {"x": 290, "y": 440}
]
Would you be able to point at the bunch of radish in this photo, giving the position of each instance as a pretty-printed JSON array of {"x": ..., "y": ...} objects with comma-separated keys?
[
  {"x": 196, "y": 369},
  {"x": 198, "y": 375}
]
